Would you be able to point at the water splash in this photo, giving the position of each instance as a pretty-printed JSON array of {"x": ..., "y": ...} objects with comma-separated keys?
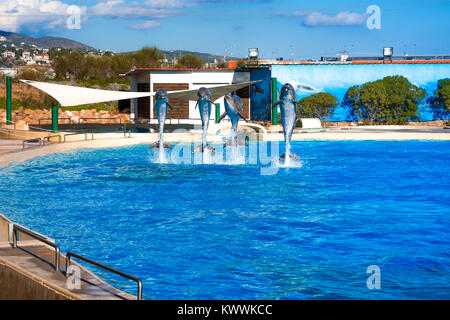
[{"x": 158, "y": 155}]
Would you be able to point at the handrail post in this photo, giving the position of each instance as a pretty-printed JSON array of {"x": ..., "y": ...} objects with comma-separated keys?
[
  {"x": 274, "y": 99},
  {"x": 57, "y": 258},
  {"x": 15, "y": 237},
  {"x": 8, "y": 100},
  {"x": 69, "y": 255},
  {"x": 16, "y": 230},
  {"x": 55, "y": 118}
]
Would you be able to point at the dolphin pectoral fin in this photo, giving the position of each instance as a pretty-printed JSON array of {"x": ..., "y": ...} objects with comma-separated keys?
[
  {"x": 240, "y": 115},
  {"x": 276, "y": 103},
  {"x": 169, "y": 106},
  {"x": 222, "y": 116},
  {"x": 196, "y": 105},
  {"x": 210, "y": 102}
]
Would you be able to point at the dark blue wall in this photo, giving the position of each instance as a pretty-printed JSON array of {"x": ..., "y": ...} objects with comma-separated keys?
[{"x": 260, "y": 101}]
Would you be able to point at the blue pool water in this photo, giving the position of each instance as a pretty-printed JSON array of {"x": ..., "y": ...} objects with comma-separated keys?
[{"x": 228, "y": 232}]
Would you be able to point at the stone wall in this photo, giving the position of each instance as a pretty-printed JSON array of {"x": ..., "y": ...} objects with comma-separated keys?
[{"x": 23, "y": 116}]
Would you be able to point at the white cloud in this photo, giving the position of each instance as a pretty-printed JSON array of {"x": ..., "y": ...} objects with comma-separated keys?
[
  {"x": 136, "y": 10},
  {"x": 344, "y": 18},
  {"x": 42, "y": 14},
  {"x": 146, "y": 25},
  {"x": 47, "y": 14}
]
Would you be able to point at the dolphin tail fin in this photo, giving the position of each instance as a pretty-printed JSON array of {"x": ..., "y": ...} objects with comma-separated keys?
[
  {"x": 291, "y": 155},
  {"x": 240, "y": 115},
  {"x": 156, "y": 145}
]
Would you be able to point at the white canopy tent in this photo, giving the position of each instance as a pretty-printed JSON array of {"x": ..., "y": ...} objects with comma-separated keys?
[{"x": 68, "y": 96}]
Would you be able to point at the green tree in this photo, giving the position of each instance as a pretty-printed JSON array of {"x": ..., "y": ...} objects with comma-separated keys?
[
  {"x": 372, "y": 102},
  {"x": 222, "y": 65},
  {"x": 241, "y": 63},
  {"x": 320, "y": 105},
  {"x": 32, "y": 74},
  {"x": 440, "y": 101},
  {"x": 391, "y": 100},
  {"x": 147, "y": 57},
  {"x": 403, "y": 99},
  {"x": 190, "y": 61},
  {"x": 78, "y": 65}
]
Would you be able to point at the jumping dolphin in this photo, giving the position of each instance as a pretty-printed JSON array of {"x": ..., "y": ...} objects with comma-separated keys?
[
  {"x": 161, "y": 106},
  {"x": 288, "y": 107},
  {"x": 204, "y": 105},
  {"x": 233, "y": 108}
]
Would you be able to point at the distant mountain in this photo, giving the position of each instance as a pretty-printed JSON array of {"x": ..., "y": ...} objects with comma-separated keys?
[
  {"x": 55, "y": 42},
  {"x": 44, "y": 42}
]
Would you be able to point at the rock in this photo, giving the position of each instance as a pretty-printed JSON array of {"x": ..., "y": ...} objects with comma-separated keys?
[
  {"x": 74, "y": 119},
  {"x": 21, "y": 125}
]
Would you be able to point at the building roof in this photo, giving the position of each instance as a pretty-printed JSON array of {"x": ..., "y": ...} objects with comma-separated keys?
[
  {"x": 270, "y": 63},
  {"x": 137, "y": 70}
]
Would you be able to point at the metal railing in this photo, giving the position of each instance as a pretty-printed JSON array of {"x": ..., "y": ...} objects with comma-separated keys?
[
  {"x": 48, "y": 138},
  {"x": 31, "y": 140},
  {"x": 8, "y": 124},
  {"x": 50, "y": 119},
  {"x": 70, "y": 254},
  {"x": 78, "y": 133},
  {"x": 17, "y": 228},
  {"x": 120, "y": 119}
]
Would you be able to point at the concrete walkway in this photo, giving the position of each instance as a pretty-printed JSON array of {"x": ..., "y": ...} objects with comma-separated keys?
[
  {"x": 35, "y": 263},
  {"x": 8, "y": 145}
]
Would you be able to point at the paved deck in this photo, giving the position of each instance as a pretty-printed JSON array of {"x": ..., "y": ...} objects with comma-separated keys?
[{"x": 8, "y": 145}]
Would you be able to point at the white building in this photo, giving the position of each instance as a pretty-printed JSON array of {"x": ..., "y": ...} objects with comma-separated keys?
[
  {"x": 26, "y": 57},
  {"x": 9, "y": 54},
  {"x": 2, "y": 38},
  {"x": 41, "y": 59},
  {"x": 151, "y": 79}
]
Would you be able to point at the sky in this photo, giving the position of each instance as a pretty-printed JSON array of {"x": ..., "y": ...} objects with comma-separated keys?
[{"x": 278, "y": 28}]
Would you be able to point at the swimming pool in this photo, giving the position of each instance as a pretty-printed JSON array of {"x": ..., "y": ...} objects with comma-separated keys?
[{"x": 228, "y": 232}]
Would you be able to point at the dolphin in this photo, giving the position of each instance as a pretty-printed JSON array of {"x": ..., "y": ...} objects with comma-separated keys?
[
  {"x": 233, "y": 108},
  {"x": 288, "y": 107},
  {"x": 204, "y": 104},
  {"x": 161, "y": 106}
]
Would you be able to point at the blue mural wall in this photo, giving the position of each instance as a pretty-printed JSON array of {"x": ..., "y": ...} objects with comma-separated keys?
[
  {"x": 336, "y": 79},
  {"x": 260, "y": 102}
]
